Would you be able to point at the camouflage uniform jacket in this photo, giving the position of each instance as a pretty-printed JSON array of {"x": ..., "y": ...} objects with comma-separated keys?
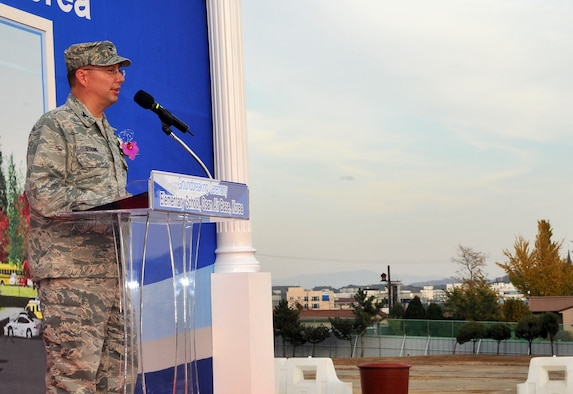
[{"x": 72, "y": 165}]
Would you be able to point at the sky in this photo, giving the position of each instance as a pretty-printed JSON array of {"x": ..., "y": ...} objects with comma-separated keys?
[{"x": 389, "y": 133}]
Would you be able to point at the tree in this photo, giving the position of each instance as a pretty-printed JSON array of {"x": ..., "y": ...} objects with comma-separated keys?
[
  {"x": 342, "y": 329},
  {"x": 315, "y": 334},
  {"x": 397, "y": 311},
  {"x": 514, "y": 310},
  {"x": 528, "y": 328},
  {"x": 471, "y": 263},
  {"x": 499, "y": 332},
  {"x": 294, "y": 334},
  {"x": 4, "y": 238},
  {"x": 471, "y": 331},
  {"x": 415, "y": 309},
  {"x": 549, "y": 327},
  {"x": 474, "y": 299},
  {"x": 3, "y": 188},
  {"x": 286, "y": 323},
  {"x": 23, "y": 208},
  {"x": 366, "y": 312},
  {"x": 539, "y": 271},
  {"x": 434, "y": 312},
  {"x": 14, "y": 207}
]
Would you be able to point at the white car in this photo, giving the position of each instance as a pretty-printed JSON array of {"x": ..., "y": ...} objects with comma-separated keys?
[{"x": 23, "y": 326}]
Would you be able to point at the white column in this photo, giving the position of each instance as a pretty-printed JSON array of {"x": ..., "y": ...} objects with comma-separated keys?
[
  {"x": 235, "y": 252},
  {"x": 243, "y": 355}
]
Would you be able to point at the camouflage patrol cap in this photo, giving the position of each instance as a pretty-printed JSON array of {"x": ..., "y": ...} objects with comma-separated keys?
[{"x": 100, "y": 53}]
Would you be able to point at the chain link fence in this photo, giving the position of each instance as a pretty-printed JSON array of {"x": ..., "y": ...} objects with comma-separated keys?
[{"x": 405, "y": 337}]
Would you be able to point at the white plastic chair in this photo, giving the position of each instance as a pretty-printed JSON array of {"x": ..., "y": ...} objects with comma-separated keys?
[
  {"x": 539, "y": 380},
  {"x": 308, "y": 376}
]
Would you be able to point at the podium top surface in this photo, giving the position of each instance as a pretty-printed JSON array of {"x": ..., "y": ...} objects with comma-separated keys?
[{"x": 180, "y": 196}]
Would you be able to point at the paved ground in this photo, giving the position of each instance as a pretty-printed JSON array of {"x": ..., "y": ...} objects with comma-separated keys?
[
  {"x": 446, "y": 374},
  {"x": 22, "y": 365}
]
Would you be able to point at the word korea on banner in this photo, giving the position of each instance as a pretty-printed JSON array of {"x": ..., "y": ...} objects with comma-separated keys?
[{"x": 80, "y": 7}]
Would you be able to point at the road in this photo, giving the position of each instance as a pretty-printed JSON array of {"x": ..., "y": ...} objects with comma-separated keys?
[{"x": 22, "y": 365}]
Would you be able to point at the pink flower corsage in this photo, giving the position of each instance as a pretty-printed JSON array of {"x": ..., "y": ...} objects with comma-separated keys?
[{"x": 128, "y": 144}]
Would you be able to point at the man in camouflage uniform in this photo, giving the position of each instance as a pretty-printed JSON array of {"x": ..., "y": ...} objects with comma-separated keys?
[{"x": 75, "y": 162}]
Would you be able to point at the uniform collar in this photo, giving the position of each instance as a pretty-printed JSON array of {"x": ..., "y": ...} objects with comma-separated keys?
[{"x": 81, "y": 111}]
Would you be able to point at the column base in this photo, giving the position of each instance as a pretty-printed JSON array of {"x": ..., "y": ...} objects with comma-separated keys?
[{"x": 243, "y": 343}]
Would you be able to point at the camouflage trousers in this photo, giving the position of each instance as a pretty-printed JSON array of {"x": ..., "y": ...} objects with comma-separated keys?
[{"x": 86, "y": 347}]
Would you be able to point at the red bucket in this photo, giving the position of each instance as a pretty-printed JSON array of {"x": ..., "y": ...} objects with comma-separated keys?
[{"x": 384, "y": 378}]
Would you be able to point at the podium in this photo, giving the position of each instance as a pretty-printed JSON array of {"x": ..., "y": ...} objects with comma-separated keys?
[{"x": 158, "y": 234}]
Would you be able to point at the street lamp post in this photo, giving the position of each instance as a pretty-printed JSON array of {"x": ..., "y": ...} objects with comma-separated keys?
[{"x": 386, "y": 278}]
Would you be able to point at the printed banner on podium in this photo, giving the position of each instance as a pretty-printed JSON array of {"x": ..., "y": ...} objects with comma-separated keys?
[{"x": 203, "y": 196}]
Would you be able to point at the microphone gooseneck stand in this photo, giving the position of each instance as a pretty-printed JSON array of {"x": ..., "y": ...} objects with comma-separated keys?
[{"x": 167, "y": 130}]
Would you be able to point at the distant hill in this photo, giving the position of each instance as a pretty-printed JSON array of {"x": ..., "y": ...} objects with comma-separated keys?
[
  {"x": 435, "y": 283},
  {"x": 362, "y": 278},
  {"x": 359, "y": 278}
]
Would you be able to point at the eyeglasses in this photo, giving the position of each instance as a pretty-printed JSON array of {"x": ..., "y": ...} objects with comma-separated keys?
[{"x": 111, "y": 71}]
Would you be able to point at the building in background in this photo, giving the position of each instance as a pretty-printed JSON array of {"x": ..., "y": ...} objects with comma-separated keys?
[{"x": 310, "y": 299}]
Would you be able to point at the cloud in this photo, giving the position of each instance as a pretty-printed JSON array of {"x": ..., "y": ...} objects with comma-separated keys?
[{"x": 451, "y": 117}]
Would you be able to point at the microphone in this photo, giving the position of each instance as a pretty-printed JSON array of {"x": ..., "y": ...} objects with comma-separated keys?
[{"x": 147, "y": 101}]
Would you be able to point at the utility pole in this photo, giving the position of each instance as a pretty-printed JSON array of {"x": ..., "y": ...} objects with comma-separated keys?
[{"x": 386, "y": 278}]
